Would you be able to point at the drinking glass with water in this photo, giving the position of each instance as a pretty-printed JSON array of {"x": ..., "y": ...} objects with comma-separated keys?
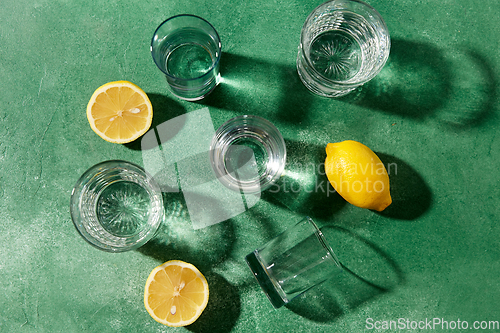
[
  {"x": 187, "y": 49},
  {"x": 343, "y": 44}
]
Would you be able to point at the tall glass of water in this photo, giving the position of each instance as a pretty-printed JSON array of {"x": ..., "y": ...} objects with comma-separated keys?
[
  {"x": 343, "y": 44},
  {"x": 187, "y": 49}
]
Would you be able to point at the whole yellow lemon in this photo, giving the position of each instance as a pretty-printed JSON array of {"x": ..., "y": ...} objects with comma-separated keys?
[{"x": 358, "y": 175}]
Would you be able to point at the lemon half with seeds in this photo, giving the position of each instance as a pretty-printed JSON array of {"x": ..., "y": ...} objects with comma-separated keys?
[
  {"x": 119, "y": 112},
  {"x": 176, "y": 293}
]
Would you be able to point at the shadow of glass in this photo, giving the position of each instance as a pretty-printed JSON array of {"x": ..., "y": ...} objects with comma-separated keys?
[
  {"x": 249, "y": 84},
  {"x": 177, "y": 240},
  {"x": 368, "y": 272},
  {"x": 304, "y": 187},
  {"x": 414, "y": 82},
  {"x": 295, "y": 98},
  {"x": 474, "y": 90},
  {"x": 205, "y": 248},
  {"x": 164, "y": 109},
  {"x": 411, "y": 197},
  {"x": 319, "y": 304},
  {"x": 363, "y": 260},
  {"x": 223, "y": 308}
]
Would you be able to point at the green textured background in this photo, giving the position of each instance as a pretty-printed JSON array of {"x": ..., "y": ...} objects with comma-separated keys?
[{"x": 433, "y": 111}]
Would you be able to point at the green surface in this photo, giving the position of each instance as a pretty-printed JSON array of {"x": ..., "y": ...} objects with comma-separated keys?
[{"x": 433, "y": 111}]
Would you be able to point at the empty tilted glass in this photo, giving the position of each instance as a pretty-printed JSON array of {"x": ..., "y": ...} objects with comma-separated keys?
[{"x": 293, "y": 262}]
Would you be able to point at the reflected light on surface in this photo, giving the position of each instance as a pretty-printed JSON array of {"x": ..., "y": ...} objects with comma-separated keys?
[
  {"x": 219, "y": 79},
  {"x": 240, "y": 84},
  {"x": 230, "y": 82},
  {"x": 293, "y": 174},
  {"x": 298, "y": 176}
]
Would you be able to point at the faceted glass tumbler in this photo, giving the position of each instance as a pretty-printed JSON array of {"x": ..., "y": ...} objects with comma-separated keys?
[
  {"x": 293, "y": 262},
  {"x": 343, "y": 44},
  {"x": 116, "y": 206}
]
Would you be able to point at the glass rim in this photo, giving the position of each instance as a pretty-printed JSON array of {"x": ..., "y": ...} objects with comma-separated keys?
[
  {"x": 249, "y": 117},
  {"x": 324, "y": 242},
  {"x": 219, "y": 47},
  {"x": 307, "y": 60},
  {"x": 96, "y": 166}
]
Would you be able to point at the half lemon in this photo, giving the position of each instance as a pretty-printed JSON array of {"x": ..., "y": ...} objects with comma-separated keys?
[
  {"x": 119, "y": 112},
  {"x": 176, "y": 293}
]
